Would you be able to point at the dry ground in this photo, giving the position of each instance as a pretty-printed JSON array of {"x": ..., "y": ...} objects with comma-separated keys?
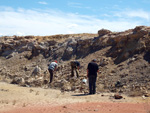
[{"x": 15, "y": 99}]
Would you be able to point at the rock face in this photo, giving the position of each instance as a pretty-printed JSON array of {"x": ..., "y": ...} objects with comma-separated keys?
[{"x": 123, "y": 59}]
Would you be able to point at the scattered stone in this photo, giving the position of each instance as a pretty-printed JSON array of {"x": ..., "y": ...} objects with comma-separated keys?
[
  {"x": 24, "y": 105},
  {"x": 96, "y": 110},
  {"x": 36, "y": 71},
  {"x": 64, "y": 106},
  {"x": 144, "y": 97},
  {"x": 118, "y": 96},
  {"x": 14, "y": 102},
  {"x": 31, "y": 90},
  {"x": 37, "y": 93},
  {"x": 5, "y": 90}
]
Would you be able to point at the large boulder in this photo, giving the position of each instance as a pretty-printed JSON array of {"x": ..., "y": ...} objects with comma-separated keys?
[{"x": 103, "y": 32}]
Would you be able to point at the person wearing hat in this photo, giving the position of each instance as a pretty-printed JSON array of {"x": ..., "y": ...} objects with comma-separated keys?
[
  {"x": 75, "y": 65},
  {"x": 51, "y": 68},
  {"x": 92, "y": 70}
]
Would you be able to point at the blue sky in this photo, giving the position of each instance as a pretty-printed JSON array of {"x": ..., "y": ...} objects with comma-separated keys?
[{"x": 50, "y": 17}]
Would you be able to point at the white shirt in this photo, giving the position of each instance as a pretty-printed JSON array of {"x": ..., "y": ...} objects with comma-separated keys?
[{"x": 53, "y": 65}]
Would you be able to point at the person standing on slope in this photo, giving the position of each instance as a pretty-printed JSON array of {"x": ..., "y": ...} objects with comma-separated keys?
[{"x": 92, "y": 70}]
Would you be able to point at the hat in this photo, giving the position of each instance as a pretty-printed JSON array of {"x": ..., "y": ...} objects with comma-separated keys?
[
  {"x": 55, "y": 61},
  {"x": 94, "y": 60}
]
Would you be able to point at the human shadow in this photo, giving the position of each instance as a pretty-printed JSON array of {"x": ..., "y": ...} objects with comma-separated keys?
[{"x": 81, "y": 95}]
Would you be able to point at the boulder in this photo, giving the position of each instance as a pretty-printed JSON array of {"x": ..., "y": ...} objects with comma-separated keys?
[
  {"x": 36, "y": 71},
  {"x": 118, "y": 96},
  {"x": 103, "y": 32}
]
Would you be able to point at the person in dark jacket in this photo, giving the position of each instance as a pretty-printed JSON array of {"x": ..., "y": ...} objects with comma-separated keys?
[
  {"x": 92, "y": 70},
  {"x": 75, "y": 65}
]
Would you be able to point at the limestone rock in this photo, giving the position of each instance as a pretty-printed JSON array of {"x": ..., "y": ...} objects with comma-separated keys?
[{"x": 36, "y": 71}]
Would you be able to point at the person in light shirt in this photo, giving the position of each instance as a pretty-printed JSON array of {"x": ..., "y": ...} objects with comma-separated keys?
[{"x": 51, "y": 68}]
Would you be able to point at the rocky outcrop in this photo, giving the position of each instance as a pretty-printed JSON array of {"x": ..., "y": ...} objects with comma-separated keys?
[
  {"x": 124, "y": 45},
  {"x": 103, "y": 32},
  {"x": 123, "y": 59},
  {"x": 129, "y": 43}
]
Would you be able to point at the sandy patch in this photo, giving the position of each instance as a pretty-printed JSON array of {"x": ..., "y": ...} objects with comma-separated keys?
[{"x": 15, "y": 99}]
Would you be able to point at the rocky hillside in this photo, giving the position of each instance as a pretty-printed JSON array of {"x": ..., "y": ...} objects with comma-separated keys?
[{"x": 123, "y": 59}]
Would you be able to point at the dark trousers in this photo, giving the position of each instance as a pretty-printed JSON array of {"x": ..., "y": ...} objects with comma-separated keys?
[
  {"x": 51, "y": 74},
  {"x": 72, "y": 71},
  {"x": 92, "y": 84}
]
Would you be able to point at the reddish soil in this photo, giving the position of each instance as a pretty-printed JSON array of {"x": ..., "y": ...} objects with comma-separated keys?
[
  {"x": 15, "y": 99},
  {"x": 87, "y": 107}
]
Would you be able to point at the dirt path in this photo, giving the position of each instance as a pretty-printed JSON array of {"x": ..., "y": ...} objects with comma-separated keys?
[
  {"x": 91, "y": 107},
  {"x": 15, "y": 99}
]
